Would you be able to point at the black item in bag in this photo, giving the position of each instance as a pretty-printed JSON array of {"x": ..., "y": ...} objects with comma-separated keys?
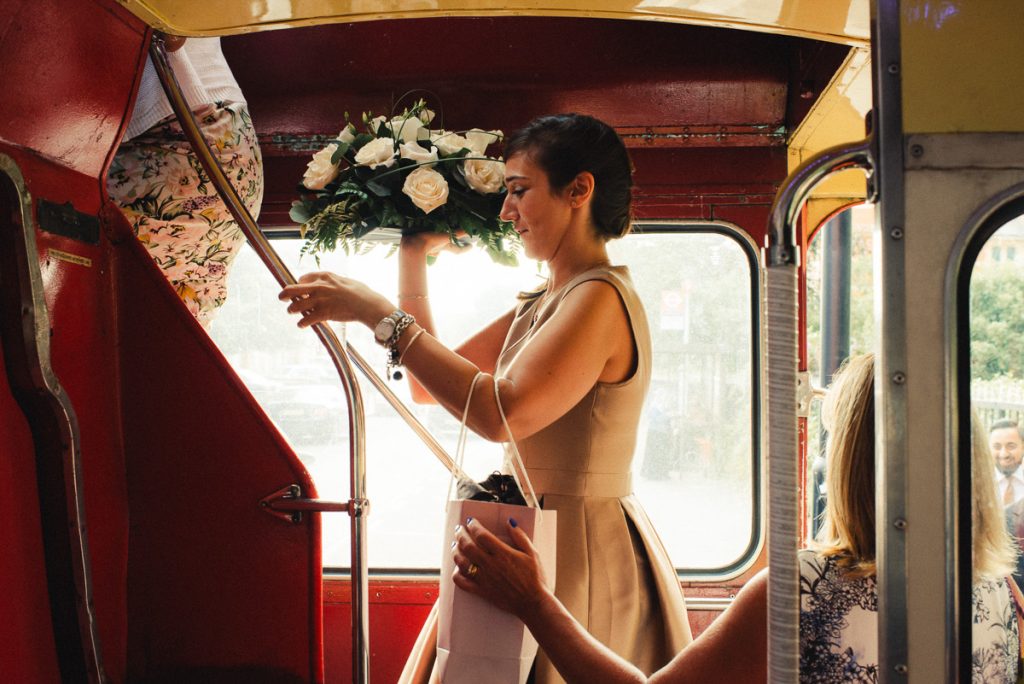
[{"x": 498, "y": 488}]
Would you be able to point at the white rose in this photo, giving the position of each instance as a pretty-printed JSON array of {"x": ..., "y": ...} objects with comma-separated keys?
[
  {"x": 415, "y": 152},
  {"x": 377, "y": 152},
  {"x": 448, "y": 143},
  {"x": 375, "y": 123},
  {"x": 484, "y": 175},
  {"x": 426, "y": 115},
  {"x": 320, "y": 171},
  {"x": 406, "y": 128},
  {"x": 479, "y": 140},
  {"x": 427, "y": 189},
  {"x": 348, "y": 134}
]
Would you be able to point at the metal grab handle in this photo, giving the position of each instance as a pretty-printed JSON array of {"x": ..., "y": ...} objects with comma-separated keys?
[
  {"x": 782, "y": 338},
  {"x": 781, "y": 238},
  {"x": 288, "y": 504},
  {"x": 356, "y": 414}
]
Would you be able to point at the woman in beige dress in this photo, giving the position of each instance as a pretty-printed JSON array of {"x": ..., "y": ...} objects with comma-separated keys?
[{"x": 572, "y": 363}]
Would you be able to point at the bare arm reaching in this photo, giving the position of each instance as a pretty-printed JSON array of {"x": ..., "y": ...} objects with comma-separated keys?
[
  {"x": 586, "y": 341},
  {"x": 732, "y": 649}
]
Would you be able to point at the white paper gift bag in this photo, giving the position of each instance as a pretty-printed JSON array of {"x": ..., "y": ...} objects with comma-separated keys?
[{"x": 477, "y": 642}]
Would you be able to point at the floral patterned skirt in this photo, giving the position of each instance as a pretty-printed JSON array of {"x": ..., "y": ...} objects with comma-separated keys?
[{"x": 174, "y": 208}]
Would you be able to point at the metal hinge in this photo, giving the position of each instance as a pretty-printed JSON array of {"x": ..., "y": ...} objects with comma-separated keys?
[
  {"x": 288, "y": 504},
  {"x": 804, "y": 394}
]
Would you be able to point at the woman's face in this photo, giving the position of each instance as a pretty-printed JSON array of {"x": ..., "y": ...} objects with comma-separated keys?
[{"x": 539, "y": 216}]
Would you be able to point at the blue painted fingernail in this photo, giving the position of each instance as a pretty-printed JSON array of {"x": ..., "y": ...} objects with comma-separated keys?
[
  {"x": 458, "y": 528},
  {"x": 469, "y": 520},
  {"x": 512, "y": 522},
  {"x": 454, "y": 544}
]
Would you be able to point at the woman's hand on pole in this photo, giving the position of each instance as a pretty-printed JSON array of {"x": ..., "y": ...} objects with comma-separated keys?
[{"x": 322, "y": 296}]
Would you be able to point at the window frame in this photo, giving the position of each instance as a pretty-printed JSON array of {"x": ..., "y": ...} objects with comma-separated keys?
[
  {"x": 981, "y": 227},
  {"x": 755, "y": 543},
  {"x": 752, "y": 252}
]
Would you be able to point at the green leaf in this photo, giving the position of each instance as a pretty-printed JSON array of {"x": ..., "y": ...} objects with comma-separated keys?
[
  {"x": 339, "y": 153},
  {"x": 378, "y": 188},
  {"x": 300, "y": 212},
  {"x": 361, "y": 140}
]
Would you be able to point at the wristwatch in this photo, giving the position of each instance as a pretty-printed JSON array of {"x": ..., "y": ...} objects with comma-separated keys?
[{"x": 385, "y": 330}]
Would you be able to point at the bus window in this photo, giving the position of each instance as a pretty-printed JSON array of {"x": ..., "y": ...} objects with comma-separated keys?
[
  {"x": 997, "y": 340},
  {"x": 697, "y": 448},
  {"x": 840, "y": 322},
  {"x": 698, "y": 451},
  {"x": 997, "y": 327},
  {"x": 996, "y": 319}
]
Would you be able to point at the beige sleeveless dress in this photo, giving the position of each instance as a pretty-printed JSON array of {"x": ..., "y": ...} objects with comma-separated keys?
[{"x": 613, "y": 573}]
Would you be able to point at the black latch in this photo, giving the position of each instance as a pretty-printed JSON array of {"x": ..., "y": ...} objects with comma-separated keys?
[{"x": 64, "y": 219}]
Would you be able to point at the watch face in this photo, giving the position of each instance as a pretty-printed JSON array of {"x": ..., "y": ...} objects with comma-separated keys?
[{"x": 384, "y": 330}]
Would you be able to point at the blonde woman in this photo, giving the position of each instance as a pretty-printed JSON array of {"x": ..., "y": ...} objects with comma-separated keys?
[{"x": 838, "y": 596}]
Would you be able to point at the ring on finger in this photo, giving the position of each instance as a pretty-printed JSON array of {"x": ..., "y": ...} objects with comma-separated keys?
[{"x": 472, "y": 569}]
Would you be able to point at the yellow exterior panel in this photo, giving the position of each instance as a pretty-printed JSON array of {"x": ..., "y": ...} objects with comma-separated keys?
[
  {"x": 843, "y": 21},
  {"x": 836, "y": 118},
  {"x": 963, "y": 66},
  {"x": 839, "y": 114}
]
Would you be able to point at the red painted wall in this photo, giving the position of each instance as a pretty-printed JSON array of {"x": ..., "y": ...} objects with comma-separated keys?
[
  {"x": 27, "y": 652},
  {"x": 191, "y": 579}
]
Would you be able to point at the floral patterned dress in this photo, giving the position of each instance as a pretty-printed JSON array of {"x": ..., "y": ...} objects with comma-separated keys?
[
  {"x": 839, "y": 627},
  {"x": 175, "y": 210}
]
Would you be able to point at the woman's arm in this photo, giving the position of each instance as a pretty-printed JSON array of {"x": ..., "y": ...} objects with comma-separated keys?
[
  {"x": 481, "y": 349},
  {"x": 587, "y": 340},
  {"x": 732, "y": 649}
]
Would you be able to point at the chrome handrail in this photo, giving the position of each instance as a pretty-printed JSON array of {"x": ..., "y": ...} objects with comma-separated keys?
[
  {"x": 356, "y": 414},
  {"x": 403, "y": 411},
  {"x": 781, "y": 239},
  {"x": 782, "y": 262}
]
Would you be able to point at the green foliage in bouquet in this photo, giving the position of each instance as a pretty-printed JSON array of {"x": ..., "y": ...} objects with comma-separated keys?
[{"x": 398, "y": 173}]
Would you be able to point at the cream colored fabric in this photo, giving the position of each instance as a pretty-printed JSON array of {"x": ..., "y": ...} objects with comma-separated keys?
[{"x": 613, "y": 573}]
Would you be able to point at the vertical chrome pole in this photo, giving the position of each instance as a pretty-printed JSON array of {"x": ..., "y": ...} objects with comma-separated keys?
[
  {"x": 781, "y": 268},
  {"x": 783, "y": 480},
  {"x": 358, "y": 503},
  {"x": 892, "y": 413}
]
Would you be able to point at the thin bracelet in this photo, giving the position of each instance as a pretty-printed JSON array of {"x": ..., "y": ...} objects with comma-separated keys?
[
  {"x": 413, "y": 296},
  {"x": 411, "y": 342}
]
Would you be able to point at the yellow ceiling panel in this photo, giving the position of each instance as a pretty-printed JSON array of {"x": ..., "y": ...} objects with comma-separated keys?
[{"x": 844, "y": 21}]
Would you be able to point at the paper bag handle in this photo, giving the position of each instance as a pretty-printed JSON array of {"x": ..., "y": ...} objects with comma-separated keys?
[
  {"x": 518, "y": 467},
  {"x": 460, "y": 446}
]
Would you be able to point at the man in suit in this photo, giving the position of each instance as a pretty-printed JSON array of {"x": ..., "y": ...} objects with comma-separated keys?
[{"x": 1005, "y": 440}]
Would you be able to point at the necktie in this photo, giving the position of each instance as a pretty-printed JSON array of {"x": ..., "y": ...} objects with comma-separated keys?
[{"x": 1008, "y": 492}]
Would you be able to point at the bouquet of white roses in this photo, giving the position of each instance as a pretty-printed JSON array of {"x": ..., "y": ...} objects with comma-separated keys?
[{"x": 399, "y": 173}]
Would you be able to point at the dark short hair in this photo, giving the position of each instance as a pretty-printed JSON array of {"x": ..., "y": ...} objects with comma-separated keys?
[
  {"x": 566, "y": 145},
  {"x": 1006, "y": 423}
]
